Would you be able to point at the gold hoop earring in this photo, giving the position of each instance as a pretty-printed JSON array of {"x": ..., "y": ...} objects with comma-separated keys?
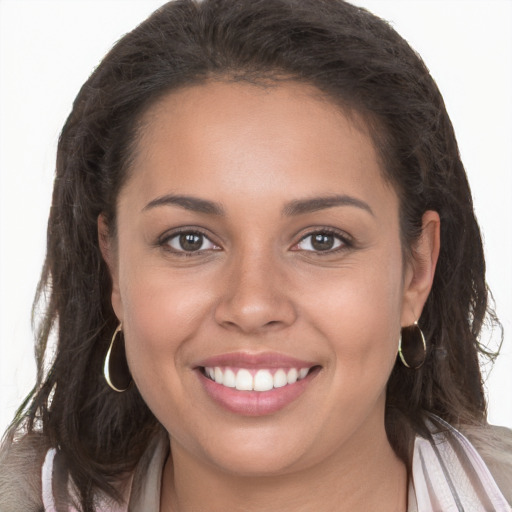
[
  {"x": 115, "y": 368},
  {"x": 410, "y": 337}
]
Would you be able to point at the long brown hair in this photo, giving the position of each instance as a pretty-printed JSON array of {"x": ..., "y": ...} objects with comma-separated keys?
[{"x": 360, "y": 63}]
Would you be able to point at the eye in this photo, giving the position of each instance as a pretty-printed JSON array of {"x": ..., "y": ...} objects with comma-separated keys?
[
  {"x": 189, "y": 241},
  {"x": 322, "y": 241}
]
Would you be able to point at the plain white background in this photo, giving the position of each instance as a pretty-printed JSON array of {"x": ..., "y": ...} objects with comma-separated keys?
[{"x": 49, "y": 47}]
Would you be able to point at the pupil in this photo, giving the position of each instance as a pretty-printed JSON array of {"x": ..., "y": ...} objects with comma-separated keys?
[
  {"x": 322, "y": 242},
  {"x": 191, "y": 241}
]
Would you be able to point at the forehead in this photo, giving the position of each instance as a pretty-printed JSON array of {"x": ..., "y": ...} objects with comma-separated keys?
[
  {"x": 242, "y": 106},
  {"x": 223, "y": 138}
]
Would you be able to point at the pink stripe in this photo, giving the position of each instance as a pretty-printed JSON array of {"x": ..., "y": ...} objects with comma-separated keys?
[{"x": 47, "y": 480}]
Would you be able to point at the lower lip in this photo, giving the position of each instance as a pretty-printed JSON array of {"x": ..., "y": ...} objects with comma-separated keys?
[{"x": 255, "y": 403}]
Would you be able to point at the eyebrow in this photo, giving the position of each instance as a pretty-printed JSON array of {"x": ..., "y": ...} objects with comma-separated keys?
[
  {"x": 301, "y": 206},
  {"x": 296, "y": 207},
  {"x": 188, "y": 203}
]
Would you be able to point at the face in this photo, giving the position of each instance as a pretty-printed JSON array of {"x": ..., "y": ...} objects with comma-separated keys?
[{"x": 259, "y": 277}]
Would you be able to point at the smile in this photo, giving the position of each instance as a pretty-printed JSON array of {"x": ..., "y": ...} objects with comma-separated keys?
[
  {"x": 255, "y": 384},
  {"x": 245, "y": 379}
]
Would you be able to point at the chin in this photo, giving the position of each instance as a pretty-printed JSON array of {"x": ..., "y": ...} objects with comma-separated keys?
[{"x": 253, "y": 452}]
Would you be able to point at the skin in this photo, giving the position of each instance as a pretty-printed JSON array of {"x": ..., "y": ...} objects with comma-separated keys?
[{"x": 257, "y": 286}]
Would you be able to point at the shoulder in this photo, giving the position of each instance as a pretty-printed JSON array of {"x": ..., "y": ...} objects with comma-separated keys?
[
  {"x": 494, "y": 444},
  {"x": 28, "y": 460},
  {"x": 462, "y": 468},
  {"x": 20, "y": 473}
]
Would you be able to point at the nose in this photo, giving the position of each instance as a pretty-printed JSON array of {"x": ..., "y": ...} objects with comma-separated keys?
[{"x": 256, "y": 296}]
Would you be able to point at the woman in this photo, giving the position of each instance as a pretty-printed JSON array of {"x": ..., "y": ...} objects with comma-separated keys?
[{"x": 265, "y": 276}]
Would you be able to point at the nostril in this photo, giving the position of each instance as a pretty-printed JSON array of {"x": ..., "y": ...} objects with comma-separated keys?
[{"x": 260, "y": 313}]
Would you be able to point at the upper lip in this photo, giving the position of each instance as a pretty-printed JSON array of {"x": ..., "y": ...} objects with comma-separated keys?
[{"x": 255, "y": 360}]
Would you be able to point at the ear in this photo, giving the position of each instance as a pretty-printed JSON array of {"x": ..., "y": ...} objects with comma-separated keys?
[
  {"x": 109, "y": 253},
  {"x": 420, "y": 269}
]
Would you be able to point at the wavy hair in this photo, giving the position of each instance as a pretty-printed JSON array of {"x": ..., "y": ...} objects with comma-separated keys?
[{"x": 362, "y": 65}]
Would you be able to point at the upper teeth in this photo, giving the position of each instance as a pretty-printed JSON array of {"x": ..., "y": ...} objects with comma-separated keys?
[{"x": 260, "y": 380}]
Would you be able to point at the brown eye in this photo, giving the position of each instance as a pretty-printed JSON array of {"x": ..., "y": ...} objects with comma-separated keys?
[
  {"x": 321, "y": 242},
  {"x": 190, "y": 241}
]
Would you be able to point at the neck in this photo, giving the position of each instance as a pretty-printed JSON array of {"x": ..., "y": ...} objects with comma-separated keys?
[{"x": 362, "y": 475}]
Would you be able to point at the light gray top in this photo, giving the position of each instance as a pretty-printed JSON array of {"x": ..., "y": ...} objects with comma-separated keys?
[{"x": 448, "y": 474}]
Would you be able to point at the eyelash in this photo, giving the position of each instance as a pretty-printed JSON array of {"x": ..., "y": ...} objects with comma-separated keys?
[
  {"x": 164, "y": 242},
  {"x": 346, "y": 241}
]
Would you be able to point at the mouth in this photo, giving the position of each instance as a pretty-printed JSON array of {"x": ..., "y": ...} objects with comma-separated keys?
[
  {"x": 250, "y": 379},
  {"x": 255, "y": 385}
]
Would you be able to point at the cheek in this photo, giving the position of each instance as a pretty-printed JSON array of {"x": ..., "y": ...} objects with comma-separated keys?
[
  {"x": 359, "y": 315},
  {"x": 158, "y": 303},
  {"x": 160, "y": 315}
]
